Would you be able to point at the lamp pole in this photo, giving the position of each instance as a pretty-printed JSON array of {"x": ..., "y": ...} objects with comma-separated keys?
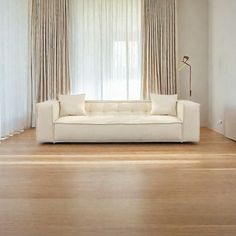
[{"x": 185, "y": 61}]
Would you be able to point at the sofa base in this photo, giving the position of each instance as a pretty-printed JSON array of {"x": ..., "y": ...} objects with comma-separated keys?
[{"x": 118, "y": 133}]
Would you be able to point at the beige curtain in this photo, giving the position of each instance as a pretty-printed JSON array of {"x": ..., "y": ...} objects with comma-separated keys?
[
  {"x": 159, "y": 47},
  {"x": 49, "y": 59}
]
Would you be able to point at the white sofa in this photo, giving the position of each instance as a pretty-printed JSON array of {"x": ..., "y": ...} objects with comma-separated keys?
[{"x": 118, "y": 122}]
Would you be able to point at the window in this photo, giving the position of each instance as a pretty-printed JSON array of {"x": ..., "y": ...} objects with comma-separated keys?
[{"x": 106, "y": 49}]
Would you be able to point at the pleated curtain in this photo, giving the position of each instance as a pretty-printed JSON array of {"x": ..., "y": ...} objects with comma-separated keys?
[
  {"x": 159, "y": 47},
  {"x": 49, "y": 55},
  {"x": 14, "y": 87}
]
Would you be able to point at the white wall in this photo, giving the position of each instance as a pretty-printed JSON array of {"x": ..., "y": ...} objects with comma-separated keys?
[
  {"x": 222, "y": 66},
  {"x": 193, "y": 41}
]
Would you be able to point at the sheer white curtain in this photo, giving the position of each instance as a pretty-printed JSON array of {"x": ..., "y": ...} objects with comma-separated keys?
[
  {"x": 13, "y": 66},
  {"x": 106, "y": 48}
]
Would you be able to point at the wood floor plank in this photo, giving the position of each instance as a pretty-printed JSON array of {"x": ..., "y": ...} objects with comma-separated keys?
[{"x": 118, "y": 189}]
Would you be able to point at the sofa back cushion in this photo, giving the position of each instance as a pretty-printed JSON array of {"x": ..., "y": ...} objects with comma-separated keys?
[{"x": 121, "y": 107}]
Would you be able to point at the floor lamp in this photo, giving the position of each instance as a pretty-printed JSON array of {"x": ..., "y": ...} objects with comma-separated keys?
[{"x": 183, "y": 64}]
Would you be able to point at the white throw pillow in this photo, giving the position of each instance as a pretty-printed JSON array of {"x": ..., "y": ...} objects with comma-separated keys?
[
  {"x": 72, "y": 105},
  {"x": 164, "y": 104}
]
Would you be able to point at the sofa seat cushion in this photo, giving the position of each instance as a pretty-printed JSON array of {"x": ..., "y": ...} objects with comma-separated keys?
[{"x": 118, "y": 119}]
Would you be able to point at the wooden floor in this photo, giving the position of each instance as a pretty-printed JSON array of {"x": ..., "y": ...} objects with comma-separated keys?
[{"x": 118, "y": 189}]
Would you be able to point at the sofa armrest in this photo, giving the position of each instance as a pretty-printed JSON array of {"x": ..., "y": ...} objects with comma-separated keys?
[
  {"x": 189, "y": 113},
  {"x": 46, "y": 114}
]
